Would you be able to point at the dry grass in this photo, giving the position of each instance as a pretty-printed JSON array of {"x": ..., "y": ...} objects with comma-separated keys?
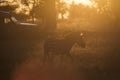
[{"x": 98, "y": 61}]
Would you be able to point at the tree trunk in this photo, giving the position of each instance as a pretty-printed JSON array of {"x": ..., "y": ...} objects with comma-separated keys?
[{"x": 50, "y": 15}]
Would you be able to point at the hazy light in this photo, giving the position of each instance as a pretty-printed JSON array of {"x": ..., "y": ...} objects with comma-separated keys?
[{"x": 84, "y": 2}]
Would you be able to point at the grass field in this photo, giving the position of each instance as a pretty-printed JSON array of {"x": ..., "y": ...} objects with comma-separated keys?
[{"x": 98, "y": 61}]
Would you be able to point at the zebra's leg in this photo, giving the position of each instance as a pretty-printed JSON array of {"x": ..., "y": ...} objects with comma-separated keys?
[
  {"x": 48, "y": 57},
  {"x": 69, "y": 56},
  {"x": 45, "y": 55},
  {"x": 62, "y": 58},
  {"x": 51, "y": 58}
]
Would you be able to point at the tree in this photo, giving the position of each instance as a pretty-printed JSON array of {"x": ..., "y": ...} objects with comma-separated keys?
[
  {"x": 45, "y": 9},
  {"x": 79, "y": 11},
  {"x": 6, "y": 6},
  {"x": 61, "y": 8},
  {"x": 115, "y": 7},
  {"x": 50, "y": 15}
]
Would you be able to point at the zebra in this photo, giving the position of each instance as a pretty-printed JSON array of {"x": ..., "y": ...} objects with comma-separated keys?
[{"x": 64, "y": 45}]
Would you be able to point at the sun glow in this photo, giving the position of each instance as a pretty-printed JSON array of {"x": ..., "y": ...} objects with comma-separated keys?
[{"x": 84, "y": 2}]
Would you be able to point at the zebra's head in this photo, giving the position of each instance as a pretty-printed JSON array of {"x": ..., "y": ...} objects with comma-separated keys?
[
  {"x": 77, "y": 37},
  {"x": 80, "y": 40}
]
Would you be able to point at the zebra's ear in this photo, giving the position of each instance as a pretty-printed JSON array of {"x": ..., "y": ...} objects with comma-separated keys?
[{"x": 81, "y": 34}]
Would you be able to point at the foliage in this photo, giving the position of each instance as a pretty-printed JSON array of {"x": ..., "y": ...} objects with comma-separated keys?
[
  {"x": 104, "y": 13},
  {"x": 62, "y": 8},
  {"x": 6, "y": 6}
]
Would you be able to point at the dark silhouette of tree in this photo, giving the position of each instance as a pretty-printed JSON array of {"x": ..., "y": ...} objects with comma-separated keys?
[
  {"x": 6, "y": 6},
  {"x": 50, "y": 15},
  {"x": 61, "y": 8},
  {"x": 38, "y": 11},
  {"x": 44, "y": 9}
]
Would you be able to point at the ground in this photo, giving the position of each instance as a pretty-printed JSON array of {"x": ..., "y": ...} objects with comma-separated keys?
[{"x": 98, "y": 61}]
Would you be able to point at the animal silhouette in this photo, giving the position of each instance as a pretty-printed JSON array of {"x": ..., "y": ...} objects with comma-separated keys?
[{"x": 62, "y": 46}]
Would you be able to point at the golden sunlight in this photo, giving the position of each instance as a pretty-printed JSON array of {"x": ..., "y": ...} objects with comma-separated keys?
[{"x": 84, "y": 2}]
